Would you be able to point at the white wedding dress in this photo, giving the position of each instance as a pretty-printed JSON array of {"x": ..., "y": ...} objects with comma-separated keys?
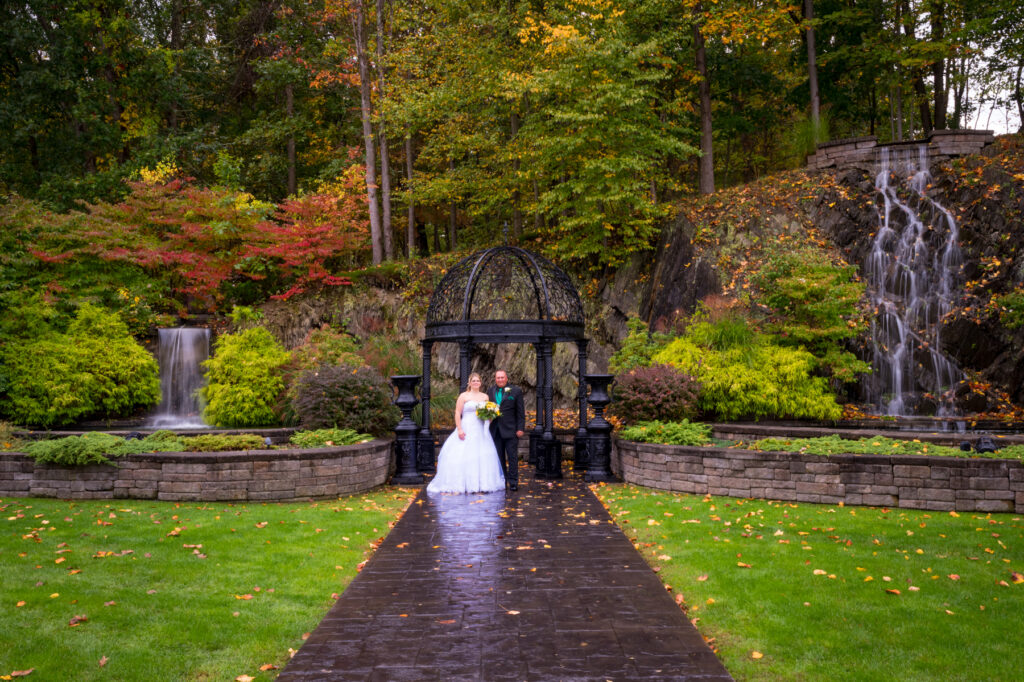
[{"x": 470, "y": 465}]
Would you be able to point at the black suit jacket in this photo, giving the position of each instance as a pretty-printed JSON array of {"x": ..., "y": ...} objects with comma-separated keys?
[{"x": 513, "y": 411}]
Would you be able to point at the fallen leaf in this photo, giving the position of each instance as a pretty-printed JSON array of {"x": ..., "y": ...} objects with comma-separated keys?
[
  {"x": 446, "y": 622},
  {"x": 103, "y": 661},
  {"x": 756, "y": 655},
  {"x": 818, "y": 571},
  {"x": 246, "y": 597},
  {"x": 742, "y": 565},
  {"x": 896, "y": 592},
  {"x": 20, "y": 604},
  {"x": 1017, "y": 577},
  {"x": 23, "y": 673},
  {"x": 268, "y": 666},
  {"x": 953, "y": 576},
  {"x": 244, "y": 678},
  {"x": 513, "y": 613},
  {"x": 75, "y": 620}
]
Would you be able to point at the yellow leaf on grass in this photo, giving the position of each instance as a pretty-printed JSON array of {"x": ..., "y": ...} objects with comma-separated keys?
[
  {"x": 896, "y": 592},
  {"x": 246, "y": 597},
  {"x": 1017, "y": 577},
  {"x": 756, "y": 655},
  {"x": 742, "y": 565},
  {"x": 268, "y": 666},
  {"x": 702, "y": 578},
  {"x": 244, "y": 678}
]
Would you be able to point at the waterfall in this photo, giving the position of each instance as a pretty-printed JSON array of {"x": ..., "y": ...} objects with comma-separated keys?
[
  {"x": 912, "y": 272},
  {"x": 180, "y": 354}
]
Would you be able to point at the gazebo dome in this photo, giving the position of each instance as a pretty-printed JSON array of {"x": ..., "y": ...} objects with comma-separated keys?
[{"x": 505, "y": 294}]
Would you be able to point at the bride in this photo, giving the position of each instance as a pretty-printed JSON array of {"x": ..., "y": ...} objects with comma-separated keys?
[{"x": 468, "y": 461}]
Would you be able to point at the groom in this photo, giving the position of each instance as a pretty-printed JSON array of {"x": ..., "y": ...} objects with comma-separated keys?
[{"x": 507, "y": 428}]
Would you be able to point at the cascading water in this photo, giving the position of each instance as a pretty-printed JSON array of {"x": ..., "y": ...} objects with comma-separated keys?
[
  {"x": 912, "y": 273},
  {"x": 181, "y": 352}
]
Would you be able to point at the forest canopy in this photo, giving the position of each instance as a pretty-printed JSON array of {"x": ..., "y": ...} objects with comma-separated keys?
[{"x": 574, "y": 123}]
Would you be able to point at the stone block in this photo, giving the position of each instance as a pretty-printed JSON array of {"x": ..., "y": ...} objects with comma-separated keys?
[
  {"x": 816, "y": 488},
  {"x": 911, "y": 471},
  {"x": 177, "y": 468},
  {"x": 1000, "y": 495},
  {"x": 809, "y": 498},
  {"x": 994, "y": 505},
  {"x": 760, "y": 473},
  {"x": 989, "y": 483},
  {"x": 176, "y": 487},
  {"x": 822, "y": 468},
  {"x": 877, "y": 500},
  {"x": 964, "y": 494}
]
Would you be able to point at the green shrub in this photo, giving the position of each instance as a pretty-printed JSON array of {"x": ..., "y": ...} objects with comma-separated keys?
[
  {"x": 244, "y": 379},
  {"x": 94, "y": 370},
  {"x": 91, "y": 448},
  {"x": 813, "y": 302},
  {"x": 834, "y": 445},
  {"x": 682, "y": 432},
  {"x": 322, "y": 346},
  {"x": 8, "y": 441},
  {"x": 389, "y": 356},
  {"x": 1011, "y": 308},
  {"x": 344, "y": 397},
  {"x": 751, "y": 381},
  {"x": 655, "y": 393},
  {"x": 216, "y": 442},
  {"x": 328, "y": 438},
  {"x": 637, "y": 348}
]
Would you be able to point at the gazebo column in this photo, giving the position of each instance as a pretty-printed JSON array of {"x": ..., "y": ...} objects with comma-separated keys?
[
  {"x": 551, "y": 449},
  {"x": 538, "y": 428},
  {"x": 465, "y": 362},
  {"x": 425, "y": 443},
  {"x": 579, "y": 449}
]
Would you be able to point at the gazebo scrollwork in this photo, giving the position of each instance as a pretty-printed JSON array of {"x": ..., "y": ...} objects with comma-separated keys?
[{"x": 505, "y": 295}]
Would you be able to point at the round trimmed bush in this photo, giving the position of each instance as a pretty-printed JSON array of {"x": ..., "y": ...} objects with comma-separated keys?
[
  {"x": 244, "y": 379},
  {"x": 344, "y": 397},
  {"x": 656, "y": 393},
  {"x": 94, "y": 370}
]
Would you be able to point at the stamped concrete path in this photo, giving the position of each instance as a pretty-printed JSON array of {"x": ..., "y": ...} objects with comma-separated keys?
[{"x": 534, "y": 585}]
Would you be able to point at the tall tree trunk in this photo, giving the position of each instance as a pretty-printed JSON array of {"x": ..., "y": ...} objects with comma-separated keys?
[
  {"x": 176, "y": 17},
  {"x": 938, "y": 9},
  {"x": 517, "y": 212},
  {"x": 706, "y": 172},
  {"x": 385, "y": 159},
  {"x": 452, "y": 215},
  {"x": 812, "y": 70},
  {"x": 920, "y": 93},
  {"x": 410, "y": 227},
  {"x": 538, "y": 219},
  {"x": 289, "y": 107},
  {"x": 366, "y": 110},
  {"x": 899, "y": 112},
  {"x": 1019, "y": 96}
]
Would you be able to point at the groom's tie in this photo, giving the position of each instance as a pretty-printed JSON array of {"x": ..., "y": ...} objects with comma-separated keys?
[{"x": 498, "y": 395}]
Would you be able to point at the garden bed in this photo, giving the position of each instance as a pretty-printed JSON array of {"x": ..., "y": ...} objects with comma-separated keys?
[
  {"x": 280, "y": 474},
  {"x": 908, "y": 481}
]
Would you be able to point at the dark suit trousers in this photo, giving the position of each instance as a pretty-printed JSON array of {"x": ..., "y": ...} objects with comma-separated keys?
[{"x": 508, "y": 454}]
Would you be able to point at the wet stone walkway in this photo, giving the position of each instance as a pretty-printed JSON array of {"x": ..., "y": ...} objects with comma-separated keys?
[{"x": 534, "y": 585}]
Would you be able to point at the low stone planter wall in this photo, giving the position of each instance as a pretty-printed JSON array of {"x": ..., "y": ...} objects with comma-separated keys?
[
  {"x": 278, "y": 475},
  {"x": 912, "y": 482}
]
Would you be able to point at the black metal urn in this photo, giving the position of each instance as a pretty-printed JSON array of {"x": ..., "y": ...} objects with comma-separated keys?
[
  {"x": 599, "y": 450},
  {"x": 406, "y": 431}
]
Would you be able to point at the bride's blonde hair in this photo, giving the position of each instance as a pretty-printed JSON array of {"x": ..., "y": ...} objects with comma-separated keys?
[{"x": 470, "y": 379}]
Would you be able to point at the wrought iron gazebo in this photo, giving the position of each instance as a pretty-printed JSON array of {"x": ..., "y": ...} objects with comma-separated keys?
[{"x": 504, "y": 295}]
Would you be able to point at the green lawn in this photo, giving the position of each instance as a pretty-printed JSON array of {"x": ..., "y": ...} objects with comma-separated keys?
[
  {"x": 816, "y": 592},
  {"x": 172, "y": 591}
]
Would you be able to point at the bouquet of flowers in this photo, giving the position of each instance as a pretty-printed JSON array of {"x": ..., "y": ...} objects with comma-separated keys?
[{"x": 488, "y": 411}]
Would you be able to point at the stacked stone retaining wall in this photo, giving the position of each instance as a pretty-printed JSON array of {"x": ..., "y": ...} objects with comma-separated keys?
[
  {"x": 277, "y": 475},
  {"x": 912, "y": 482},
  {"x": 863, "y": 152}
]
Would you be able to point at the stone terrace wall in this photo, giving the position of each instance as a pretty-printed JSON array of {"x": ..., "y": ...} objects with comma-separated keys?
[
  {"x": 912, "y": 482},
  {"x": 862, "y": 152},
  {"x": 207, "y": 476}
]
